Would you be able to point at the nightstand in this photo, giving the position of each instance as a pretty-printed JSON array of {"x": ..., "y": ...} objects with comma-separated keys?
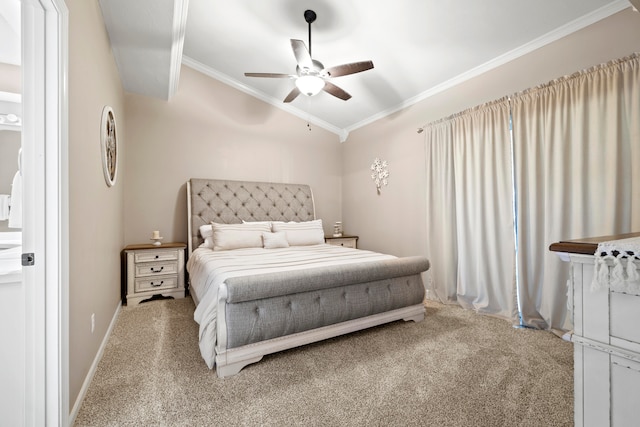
[
  {"x": 153, "y": 272},
  {"x": 345, "y": 241}
]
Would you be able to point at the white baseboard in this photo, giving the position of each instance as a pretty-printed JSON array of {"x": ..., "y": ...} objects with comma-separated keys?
[{"x": 92, "y": 370}]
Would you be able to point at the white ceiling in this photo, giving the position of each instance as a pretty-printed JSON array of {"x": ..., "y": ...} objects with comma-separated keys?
[{"x": 418, "y": 47}]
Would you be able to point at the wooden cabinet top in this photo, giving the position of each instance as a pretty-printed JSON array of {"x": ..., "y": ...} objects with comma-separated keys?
[
  {"x": 172, "y": 245},
  {"x": 587, "y": 245}
]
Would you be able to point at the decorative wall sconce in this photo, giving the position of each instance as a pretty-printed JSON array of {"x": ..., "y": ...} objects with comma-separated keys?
[{"x": 379, "y": 173}]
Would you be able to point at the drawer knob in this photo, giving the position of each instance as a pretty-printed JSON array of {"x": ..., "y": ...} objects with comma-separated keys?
[
  {"x": 156, "y": 285},
  {"x": 157, "y": 256},
  {"x": 153, "y": 270}
]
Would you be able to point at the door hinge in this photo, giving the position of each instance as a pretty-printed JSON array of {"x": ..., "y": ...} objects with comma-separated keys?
[{"x": 28, "y": 259}]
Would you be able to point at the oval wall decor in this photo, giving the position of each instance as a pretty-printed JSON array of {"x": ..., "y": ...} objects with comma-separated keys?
[{"x": 109, "y": 145}]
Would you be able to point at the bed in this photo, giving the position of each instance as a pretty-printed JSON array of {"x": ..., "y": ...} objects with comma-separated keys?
[{"x": 263, "y": 280}]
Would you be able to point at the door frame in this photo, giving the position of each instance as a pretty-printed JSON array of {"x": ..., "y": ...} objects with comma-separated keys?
[{"x": 45, "y": 57}]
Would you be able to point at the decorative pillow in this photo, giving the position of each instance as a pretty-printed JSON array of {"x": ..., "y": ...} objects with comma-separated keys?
[
  {"x": 206, "y": 231},
  {"x": 237, "y": 236},
  {"x": 275, "y": 240},
  {"x": 301, "y": 233}
]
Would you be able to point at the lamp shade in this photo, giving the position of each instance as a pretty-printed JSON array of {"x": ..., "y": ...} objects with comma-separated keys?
[{"x": 310, "y": 85}]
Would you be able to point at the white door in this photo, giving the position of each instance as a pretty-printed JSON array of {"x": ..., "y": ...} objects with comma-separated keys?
[
  {"x": 12, "y": 295},
  {"x": 33, "y": 303}
]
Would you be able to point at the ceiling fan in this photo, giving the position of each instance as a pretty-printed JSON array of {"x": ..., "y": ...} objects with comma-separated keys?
[{"x": 311, "y": 76}]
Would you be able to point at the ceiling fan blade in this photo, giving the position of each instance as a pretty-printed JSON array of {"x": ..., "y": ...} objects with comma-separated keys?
[
  {"x": 271, "y": 75},
  {"x": 336, "y": 91},
  {"x": 346, "y": 69},
  {"x": 301, "y": 53},
  {"x": 292, "y": 95}
]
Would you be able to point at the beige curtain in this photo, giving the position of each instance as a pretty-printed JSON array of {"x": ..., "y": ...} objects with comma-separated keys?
[
  {"x": 577, "y": 166},
  {"x": 470, "y": 210},
  {"x": 442, "y": 238}
]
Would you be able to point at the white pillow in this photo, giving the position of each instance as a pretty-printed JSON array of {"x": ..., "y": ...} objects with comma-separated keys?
[
  {"x": 206, "y": 231},
  {"x": 301, "y": 233},
  {"x": 275, "y": 240},
  {"x": 257, "y": 222},
  {"x": 237, "y": 236}
]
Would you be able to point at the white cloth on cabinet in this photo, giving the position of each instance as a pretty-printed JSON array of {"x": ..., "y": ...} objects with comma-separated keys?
[{"x": 622, "y": 256}]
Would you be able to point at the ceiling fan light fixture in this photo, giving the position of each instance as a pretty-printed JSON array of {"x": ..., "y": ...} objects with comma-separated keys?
[{"x": 310, "y": 85}]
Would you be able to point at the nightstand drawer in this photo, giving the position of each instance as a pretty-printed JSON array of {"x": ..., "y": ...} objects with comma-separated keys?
[
  {"x": 156, "y": 283},
  {"x": 157, "y": 255},
  {"x": 346, "y": 242},
  {"x": 156, "y": 268}
]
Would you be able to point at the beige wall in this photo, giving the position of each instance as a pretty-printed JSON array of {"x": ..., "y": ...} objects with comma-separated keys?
[
  {"x": 210, "y": 130},
  {"x": 394, "y": 221},
  {"x": 10, "y": 78},
  {"x": 10, "y": 142},
  {"x": 95, "y": 211}
]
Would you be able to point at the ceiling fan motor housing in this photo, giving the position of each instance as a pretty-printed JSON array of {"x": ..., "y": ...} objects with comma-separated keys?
[
  {"x": 315, "y": 71},
  {"x": 309, "y": 16}
]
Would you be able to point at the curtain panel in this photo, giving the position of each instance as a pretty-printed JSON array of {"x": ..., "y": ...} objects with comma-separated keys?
[
  {"x": 577, "y": 166},
  {"x": 469, "y": 210},
  {"x": 442, "y": 236}
]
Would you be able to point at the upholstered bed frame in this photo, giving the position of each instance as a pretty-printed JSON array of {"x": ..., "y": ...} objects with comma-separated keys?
[
  {"x": 229, "y": 202},
  {"x": 386, "y": 290}
]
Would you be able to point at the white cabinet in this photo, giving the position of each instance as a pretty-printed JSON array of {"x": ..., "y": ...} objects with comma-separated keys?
[
  {"x": 153, "y": 271},
  {"x": 606, "y": 339}
]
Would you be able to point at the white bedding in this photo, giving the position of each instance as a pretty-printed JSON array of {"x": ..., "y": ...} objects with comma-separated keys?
[{"x": 208, "y": 269}]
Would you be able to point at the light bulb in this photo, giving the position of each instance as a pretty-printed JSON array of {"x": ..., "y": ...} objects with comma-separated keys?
[{"x": 310, "y": 85}]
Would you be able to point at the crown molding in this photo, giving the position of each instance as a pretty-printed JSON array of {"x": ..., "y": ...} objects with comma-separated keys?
[
  {"x": 204, "y": 69},
  {"x": 565, "y": 30}
]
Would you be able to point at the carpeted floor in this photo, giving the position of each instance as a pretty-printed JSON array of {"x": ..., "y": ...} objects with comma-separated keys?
[{"x": 456, "y": 368}]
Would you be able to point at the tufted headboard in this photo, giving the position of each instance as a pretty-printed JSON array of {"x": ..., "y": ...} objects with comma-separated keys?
[{"x": 228, "y": 202}]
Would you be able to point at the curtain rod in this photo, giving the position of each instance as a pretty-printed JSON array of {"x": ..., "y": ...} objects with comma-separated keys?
[
  {"x": 631, "y": 57},
  {"x": 465, "y": 111}
]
